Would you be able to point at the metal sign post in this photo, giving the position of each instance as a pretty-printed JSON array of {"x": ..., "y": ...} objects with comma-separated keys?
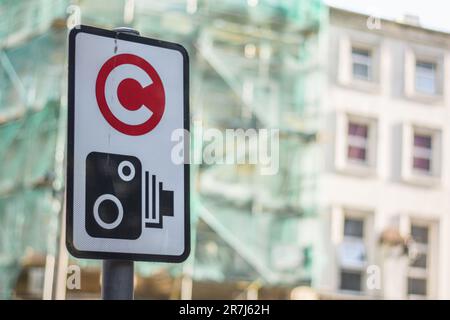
[
  {"x": 117, "y": 280},
  {"x": 127, "y": 194}
]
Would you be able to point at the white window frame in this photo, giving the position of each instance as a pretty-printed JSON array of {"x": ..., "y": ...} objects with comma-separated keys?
[
  {"x": 433, "y": 77},
  {"x": 358, "y": 142},
  {"x": 340, "y": 213},
  {"x": 415, "y": 176},
  {"x": 345, "y": 74},
  {"x": 369, "y": 63},
  {"x": 351, "y": 166},
  {"x": 421, "y": 54},
  {"x": 423, "y": 152},
  {"x": 430, "y": 273}
]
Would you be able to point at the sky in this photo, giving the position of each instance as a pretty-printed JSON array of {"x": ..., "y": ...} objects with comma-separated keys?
[{"x": 434, "y": 14}]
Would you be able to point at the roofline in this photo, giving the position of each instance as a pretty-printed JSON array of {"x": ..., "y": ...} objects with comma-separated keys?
[{"x": 385, "y": 20}]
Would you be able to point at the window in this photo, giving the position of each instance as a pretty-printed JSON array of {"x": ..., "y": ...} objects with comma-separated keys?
[
  {"x": 351, "y": 280},
  {"x": 357, "y": 149},
  {"x": 422, "y": 152},
  {"x": 35, "y": 280},
  {"x": 420, "y": 234},
  {"x": 359, "y": 61},
  {"x": 421, "y": 155},
  {"x": 353, "y": 253},
  {"x": 425, "y": 77},
  {"x": 419, "y": 263},
  {"x": 356, "y": 145},
  {"x": 417, "y": 287},
  {"x": 424, "y": 74},
  {"x": 354, "y": 227},
  {"x": 362, "y": 64}
]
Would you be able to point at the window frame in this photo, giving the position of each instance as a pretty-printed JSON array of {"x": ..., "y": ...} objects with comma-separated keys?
[
  {"x": 436, "y": 145},
  {"x": 348, "y": 165},
  {"x": 345, "y": 76},
  {"x": 369, "y": 64},
  {"x": 367, "y": 240},
  {"x": 409, "y": 174},
  {"x": 427, "y": 273},
  {"x": 412, "y": 56},
  {"x": 419, "y": 152},
  {"x": 435, "y": 79},
  {"x": 358, "y": 142}
]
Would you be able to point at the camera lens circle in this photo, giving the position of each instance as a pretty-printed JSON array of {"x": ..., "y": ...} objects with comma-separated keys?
[
  {"x": 127, "y": 175},
  {"x": 117, "y": 221}
]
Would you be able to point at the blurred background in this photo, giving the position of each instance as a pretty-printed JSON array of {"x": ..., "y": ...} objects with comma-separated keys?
[{"x": 360, "y": 205}]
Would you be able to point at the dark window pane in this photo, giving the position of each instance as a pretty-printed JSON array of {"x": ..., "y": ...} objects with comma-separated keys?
[
  {"x": 422, "y": 164},
  {"x": 426, "y": 77},
  {"x": 361, "y": 71},
  {"x": 362, "y": 62},
  {"x": 417, "y": 286},
  {"x": 420, "y": 234},
  {"x": 353, "y": 227},
  {"x": 359, "y": 130},
  {"x": 356, "y": 153},
  {"x": 351, "y": 280},
  {"x": 360, "y": 52},
  {"x": 420, "y": 261},
  {"x": 423, "y": 141},
  {"x": 425, "y": 66}
]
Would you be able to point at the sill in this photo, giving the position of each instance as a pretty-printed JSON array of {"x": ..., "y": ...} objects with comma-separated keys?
[
  {"x": 417, "y": 297},
  {"x": 370, "y": 86},
  {"x": 351, "y": 292},
  {"x": 343, "y": 294},
  {"x": 432, "y": 99},
  {"x": 340, "y": 294},
  {"x": 422, "y": 180},
  {"x": 359, "y": 266},
  {"x": 362, "y": 170}
]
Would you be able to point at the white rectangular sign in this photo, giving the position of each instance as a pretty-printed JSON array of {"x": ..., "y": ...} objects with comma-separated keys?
[{"x": 126, "y": 197}]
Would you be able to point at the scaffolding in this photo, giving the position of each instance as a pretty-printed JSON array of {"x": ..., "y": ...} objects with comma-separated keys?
[
  {"x": 255, "y": 65},
  {"x": 30, "y": 122}
]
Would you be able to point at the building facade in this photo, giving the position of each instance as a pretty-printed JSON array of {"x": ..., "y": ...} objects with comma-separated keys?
[{"x": 386, "y": 180}]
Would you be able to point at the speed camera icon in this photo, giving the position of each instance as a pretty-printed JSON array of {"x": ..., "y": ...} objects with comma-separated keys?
[
  {"x": 115, "y": 188},
  {"x": 113, "y": 196}
]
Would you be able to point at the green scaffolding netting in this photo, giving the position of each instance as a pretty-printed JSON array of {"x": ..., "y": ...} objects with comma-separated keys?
[
  {"x": 28, "y": 211},
  {"x": 251, "y": 67}
]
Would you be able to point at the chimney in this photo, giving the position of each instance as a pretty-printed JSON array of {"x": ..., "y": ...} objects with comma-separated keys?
[{"x": 410, "y": 19}]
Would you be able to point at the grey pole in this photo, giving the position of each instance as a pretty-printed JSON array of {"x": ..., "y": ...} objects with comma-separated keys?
[
  {"x": 118, "y": 275},
  {"x": 117, "y": 280}
]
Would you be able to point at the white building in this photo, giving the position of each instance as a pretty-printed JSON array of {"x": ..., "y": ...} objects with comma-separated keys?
[{"x": 386, "y": 186}]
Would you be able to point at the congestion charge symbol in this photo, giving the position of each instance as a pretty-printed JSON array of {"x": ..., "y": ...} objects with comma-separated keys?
[{"x": 132, "y": 95}]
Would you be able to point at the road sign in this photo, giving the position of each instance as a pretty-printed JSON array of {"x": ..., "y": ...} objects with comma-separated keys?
[{"x": 126, "y": 198}]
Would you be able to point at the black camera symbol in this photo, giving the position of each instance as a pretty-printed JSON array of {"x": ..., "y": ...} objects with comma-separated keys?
[{"x": 114, "y": 197}]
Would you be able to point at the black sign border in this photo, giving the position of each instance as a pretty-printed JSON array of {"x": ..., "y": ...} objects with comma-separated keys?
[{"x": 70, "y": 148}]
